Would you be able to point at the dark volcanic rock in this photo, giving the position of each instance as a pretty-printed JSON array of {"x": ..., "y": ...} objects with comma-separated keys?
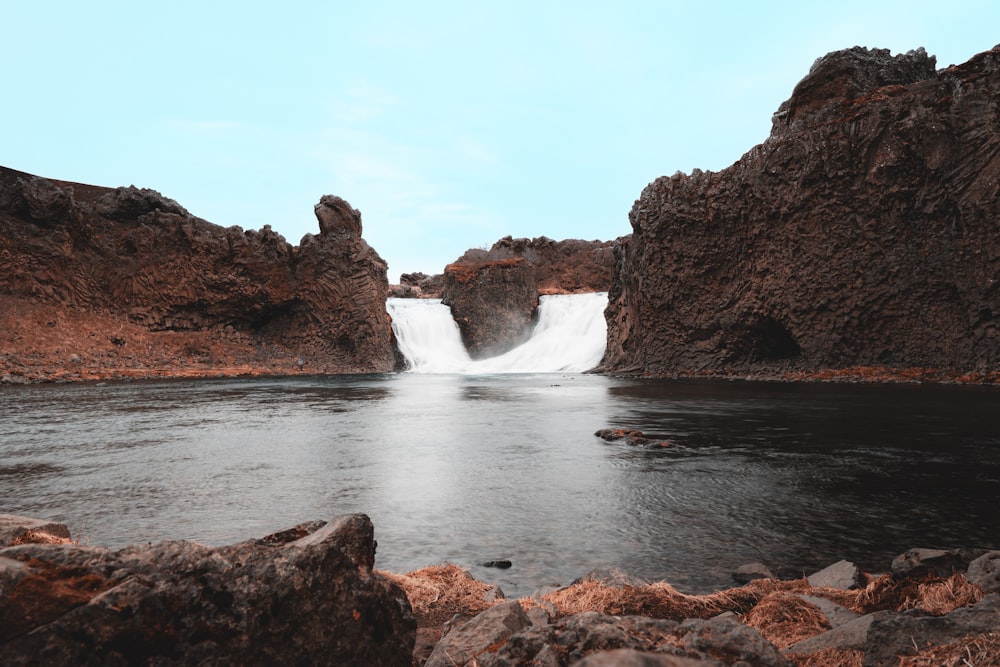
[
  {"x": 570, "y": 266},
  {"x": 138, "y": 257},
  {"x": 493, "y": 303},
  {"x": 862, "y": 232},
  {"x": 314, "y": 600}
]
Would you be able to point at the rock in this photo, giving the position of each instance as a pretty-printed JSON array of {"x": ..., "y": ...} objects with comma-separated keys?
[
  {"x": 728, "y": 640},
  {"x": 985, "y": 572},
  {"x": 612, "y": 577},
  {"x": 850, "y": 635},
  {"x": 870, "y": 211},
  {"x": 918, "y": 562},
  {"x": 313, "y": 600},
  {"x": 130, "y": 260},
  {"x": 578, "y": 635},
  {"x": 631, "y": 437},
  {"x": 744, "y": 574},
  {"x": 899, "y": 634},
  {"x": 16, "y": 530},
  {"x": 570, "y": 266},
  {"x": 467, "y": 643},
  {"x": 493, "y": 304},
  {"x": 494, "y": 594},
  {"x": 842, "y": 574},
  {"x": 626, "y": 657}
]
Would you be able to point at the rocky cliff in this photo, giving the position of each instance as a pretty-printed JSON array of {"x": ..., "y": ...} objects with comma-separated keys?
[
  {"x": 493, "y": 303},
  {"x": 864, "y": 232},
  {"x": 570, "y": 266},
  {"x": 126, "y": 281}
]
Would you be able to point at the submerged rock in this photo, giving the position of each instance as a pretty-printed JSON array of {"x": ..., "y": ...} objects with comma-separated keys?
[{"x": 287, "y": 599}]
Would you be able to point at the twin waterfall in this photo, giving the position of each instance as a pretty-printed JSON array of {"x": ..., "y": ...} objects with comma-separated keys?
[{"x": 570, "y": 336}]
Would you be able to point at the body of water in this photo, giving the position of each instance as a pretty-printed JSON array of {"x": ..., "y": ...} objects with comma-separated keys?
[{"x": 467, "y": 468}]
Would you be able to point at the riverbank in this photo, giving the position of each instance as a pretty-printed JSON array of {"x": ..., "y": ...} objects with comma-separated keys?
[{"x": 930, "y": 608}]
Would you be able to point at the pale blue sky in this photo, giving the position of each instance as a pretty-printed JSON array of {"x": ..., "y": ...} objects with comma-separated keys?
[{"x": 448, "y": 124}]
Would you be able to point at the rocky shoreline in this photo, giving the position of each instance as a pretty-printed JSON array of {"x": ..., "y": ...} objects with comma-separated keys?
[{"x": 311, "y": 595}]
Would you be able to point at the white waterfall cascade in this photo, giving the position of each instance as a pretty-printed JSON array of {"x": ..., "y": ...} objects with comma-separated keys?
[{"x": 570, "y": 336}]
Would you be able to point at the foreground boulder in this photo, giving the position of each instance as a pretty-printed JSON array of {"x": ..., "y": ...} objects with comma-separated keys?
[
  {"x": 127, "y": 282},
  {"x": 862, "y": 233},
  {"x": 298, "y": 597}
]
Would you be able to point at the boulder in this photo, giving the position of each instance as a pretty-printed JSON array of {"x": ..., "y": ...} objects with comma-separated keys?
[
  {"x": 985, "y": 572},
  {"x": 842, "y": 574},
  {"x": 310, "y": 600},
  {"x": 16, "y": 530},
  {"x": 903, "y": 634},
  {"x": 476, "y": 640},
  {"x": 847, "y": 636},
  {"x": 728, "y": 640},
  {"x": 918, "y": 562},
  {"x": 578, "y": 635},
  {"x": 627, "y": 657}
]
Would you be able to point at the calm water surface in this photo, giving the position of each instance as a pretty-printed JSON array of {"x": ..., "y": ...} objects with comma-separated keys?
[{"x": 466, "y": 469}]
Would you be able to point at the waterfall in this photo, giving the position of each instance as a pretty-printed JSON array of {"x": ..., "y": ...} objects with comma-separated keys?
[{"x": 570, "y": 336}]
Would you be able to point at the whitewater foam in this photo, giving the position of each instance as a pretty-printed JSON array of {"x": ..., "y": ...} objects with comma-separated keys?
[{"x": 570, "y": 336}]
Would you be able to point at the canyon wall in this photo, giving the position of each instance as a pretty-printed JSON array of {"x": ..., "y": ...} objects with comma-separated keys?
[
  {"x": 865, "y": 231},
  {"x": 126, "y": 281}
]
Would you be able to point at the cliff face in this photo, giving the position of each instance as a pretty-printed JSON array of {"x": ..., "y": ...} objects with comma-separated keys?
[
  {"x": 133, "y": 261},
  {"x": 865, "y": 231},
  {"x": 571, "y": 266},
  {"x": 493, "y": 303}
]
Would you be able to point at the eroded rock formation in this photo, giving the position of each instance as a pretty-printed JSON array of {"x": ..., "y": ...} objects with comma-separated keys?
[
  {"x": 126, "y": 264},
  {"x": 306, "y": 596},
  {"x": 571, "y": 266},
  {"x": 865, "y": 231},
  {"x": 493, "y": 303}
]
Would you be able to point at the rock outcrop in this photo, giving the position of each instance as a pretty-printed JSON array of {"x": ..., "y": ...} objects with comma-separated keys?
[
  {"x": 864, "y": 232},
  {"x": 306, "y": 596},
  {"x": 135, "y": 264},
  {"x": 571, "y": 266},
  {"x": 493, "y": 303}
]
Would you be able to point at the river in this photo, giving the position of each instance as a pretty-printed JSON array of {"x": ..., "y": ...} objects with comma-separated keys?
[{"x": 483, "y": 463}]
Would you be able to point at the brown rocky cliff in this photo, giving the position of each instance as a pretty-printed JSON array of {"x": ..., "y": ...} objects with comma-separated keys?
[
  {"x": 493, "y": 303},
  {"x": 570, "y": 266},
  {"x": 865, "y": 231},
  {"x": 134, "y": 261}
]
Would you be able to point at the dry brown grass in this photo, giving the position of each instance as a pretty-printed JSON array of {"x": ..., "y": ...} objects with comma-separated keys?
[
  {"x": 941, "y": 597},
  {"x": 783, "y": 619},
  {"x": 439, "y": 592},
  {"x": 976, "y": 651},
  {"x": 828, "y": 657},
  {"x": 661, "y": 600}
]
